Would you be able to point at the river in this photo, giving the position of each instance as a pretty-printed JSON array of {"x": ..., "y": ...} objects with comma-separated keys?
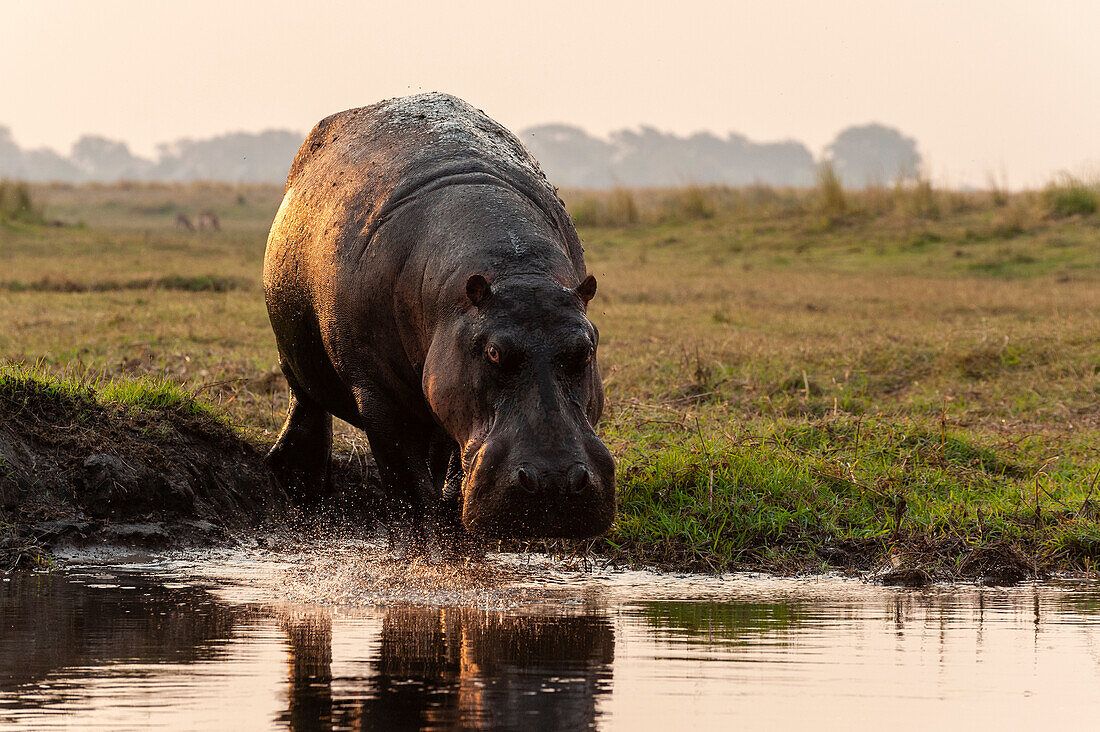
[{"x": 335, "y": 637}]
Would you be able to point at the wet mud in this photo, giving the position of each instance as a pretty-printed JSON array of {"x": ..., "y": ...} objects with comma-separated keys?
[{"x": 75, "y": 472}]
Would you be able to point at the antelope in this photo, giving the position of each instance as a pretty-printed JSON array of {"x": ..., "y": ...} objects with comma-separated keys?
[{"x": 208, "y": 220}]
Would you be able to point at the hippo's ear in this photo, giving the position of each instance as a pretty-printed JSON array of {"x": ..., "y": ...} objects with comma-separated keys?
[
  {"x": 587, "y": 289},
  {"x": 478, "y": 290}
]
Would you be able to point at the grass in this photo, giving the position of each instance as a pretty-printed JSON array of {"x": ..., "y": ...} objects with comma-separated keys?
[
  {"x": 833, "y": 202},
  {"x": 198, "y": 283},
  {"x": 800, "y": 491},
  {"x": 149, "y": 393},
  {"x": 1069, "y": 196},
  {"x": 16, "y": 204},
  {"x": 913, "y": 381}
]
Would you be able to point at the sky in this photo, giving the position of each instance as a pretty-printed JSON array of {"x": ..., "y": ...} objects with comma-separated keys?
[{"x": 1001, "y": 88}]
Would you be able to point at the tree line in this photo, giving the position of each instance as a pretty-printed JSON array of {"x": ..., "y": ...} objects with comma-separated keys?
[{"x": 571, "y": 157}]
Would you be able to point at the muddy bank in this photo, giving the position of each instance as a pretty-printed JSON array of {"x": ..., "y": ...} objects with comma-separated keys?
[
  {"x": 904, "y": 561},
  {"x": 155, "y": 471},
  {"x": 146, "y": 465}
]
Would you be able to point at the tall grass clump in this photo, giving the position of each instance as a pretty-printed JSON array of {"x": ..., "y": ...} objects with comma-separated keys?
[
  {"x": 875, "y": 200},
  {"x": 615, "y": 208},
  {"x": 584, "y": 211},
  {"x": 998, "y": 191},
  {"x": 16, "y": 203},
  {"x": 1023, "y": 212},
  {"x": 621, "y": 208},
  {"x": 917, "y": 198},
  {"x": 1069, "y": 196},
  {"x": 830, "y": 192},
  {"x": 689, "y": 203}
]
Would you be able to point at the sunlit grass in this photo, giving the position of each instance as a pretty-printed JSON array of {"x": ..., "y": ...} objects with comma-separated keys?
[
  {"x": 707, "y": 499},
  {"x": 150, "y": 393}
]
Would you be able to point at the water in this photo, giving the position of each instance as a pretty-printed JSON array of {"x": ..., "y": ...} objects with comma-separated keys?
[{"x": 328, "y": 638}]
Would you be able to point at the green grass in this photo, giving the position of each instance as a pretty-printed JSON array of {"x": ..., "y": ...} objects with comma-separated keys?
[
  {"x": 779, "y": 497},
  {"x": 1070, "y": 197},
  {"x": 915, "y": 379},
  {"x": 148, "y": 393},
  {"x": 16, "y": 204}
]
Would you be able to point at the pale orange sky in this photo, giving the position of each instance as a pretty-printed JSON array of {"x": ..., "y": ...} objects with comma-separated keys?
[{"x": 984, "y": 86}]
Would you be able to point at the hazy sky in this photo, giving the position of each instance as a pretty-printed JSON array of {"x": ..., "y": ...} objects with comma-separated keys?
[{"x": 984, "y": 86}]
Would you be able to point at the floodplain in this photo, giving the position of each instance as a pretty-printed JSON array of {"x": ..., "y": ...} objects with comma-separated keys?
[{"x": 900, "y": 380}]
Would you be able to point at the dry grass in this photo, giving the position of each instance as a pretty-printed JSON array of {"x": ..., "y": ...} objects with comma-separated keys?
[
  {"x": 1070, "y": 196},
  {"x": 16, "y": 204},
  {"x": 906, "y": 200}
]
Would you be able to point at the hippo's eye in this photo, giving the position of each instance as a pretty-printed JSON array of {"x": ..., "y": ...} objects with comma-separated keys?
[
  {"x": 577, "y": 360},
  {"x": 493, "y": 354}
]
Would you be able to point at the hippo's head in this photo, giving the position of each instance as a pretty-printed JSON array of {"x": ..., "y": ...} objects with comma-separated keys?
[{"x": 514, "y": 381}]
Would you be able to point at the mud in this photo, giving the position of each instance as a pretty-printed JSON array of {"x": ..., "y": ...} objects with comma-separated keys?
[{"x": 77, "y": 472}]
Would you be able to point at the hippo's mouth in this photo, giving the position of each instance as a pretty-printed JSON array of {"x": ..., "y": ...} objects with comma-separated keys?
[{"x": 541, "y": 518}]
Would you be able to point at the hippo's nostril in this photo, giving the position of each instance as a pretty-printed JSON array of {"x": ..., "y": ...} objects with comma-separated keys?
[
  {"x": 579, "y": 479},
  {"x": 527, "y": 480}
]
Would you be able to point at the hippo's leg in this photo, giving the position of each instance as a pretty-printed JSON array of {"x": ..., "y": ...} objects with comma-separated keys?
[
  {"x": 446, "y": 469},
  {"x": 451, "y": 491},
  {"x": 301, "y": 457},
  {"x": 444, "y": 454},
  {"x": 402, "y": 453}
]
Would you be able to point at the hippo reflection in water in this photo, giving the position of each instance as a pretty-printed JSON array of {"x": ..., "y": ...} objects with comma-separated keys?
[
  {"x": 424, "y": 667},
  {"x": 426, "y": 285},
  {"x": 453, "y": 668}
]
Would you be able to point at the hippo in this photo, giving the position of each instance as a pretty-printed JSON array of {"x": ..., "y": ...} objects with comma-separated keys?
[{"x": 426, "y": 285}]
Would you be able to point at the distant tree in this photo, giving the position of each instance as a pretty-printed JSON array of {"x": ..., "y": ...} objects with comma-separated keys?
[
  {"x": 239, "y": 157},
  {"x": 652, "y": 158},
  {"x": 11, "y": 157},
  {"x": 873, "y": 153},
  {"x": 787, "y": 163},
  {"x": 649, "y": 157},
  {"x": 570, "y": 156},
  {"x": 34, "y": 165},
  {"x": 99, "y": 158},
  {"x": 44, "y": 164}
]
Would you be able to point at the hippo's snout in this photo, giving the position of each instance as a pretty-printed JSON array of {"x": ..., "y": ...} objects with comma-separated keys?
[
  {"x": 574, "y": 481},
  {"x": 535, "y": 499}
]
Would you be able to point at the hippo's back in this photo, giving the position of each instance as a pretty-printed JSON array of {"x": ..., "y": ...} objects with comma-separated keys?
[
  {"x": 328, "y": 279},
  {"x": 356, "y": 167}
]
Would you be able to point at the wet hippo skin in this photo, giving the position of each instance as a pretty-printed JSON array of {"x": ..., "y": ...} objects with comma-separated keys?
[{"x": 426, "y": 285}]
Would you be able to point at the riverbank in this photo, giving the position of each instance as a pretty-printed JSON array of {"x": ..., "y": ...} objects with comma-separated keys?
[
  {"x": 898, "y": 379},
  {"x": 131, "y": 462},
  {"x": 146, "y": 463}
]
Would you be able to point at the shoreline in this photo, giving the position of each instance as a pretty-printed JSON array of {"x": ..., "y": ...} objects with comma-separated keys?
[{"x": 144, "y": 464}]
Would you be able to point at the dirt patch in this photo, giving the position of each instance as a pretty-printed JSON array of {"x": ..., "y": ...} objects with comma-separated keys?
[{"x": 74, "y": 470}]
